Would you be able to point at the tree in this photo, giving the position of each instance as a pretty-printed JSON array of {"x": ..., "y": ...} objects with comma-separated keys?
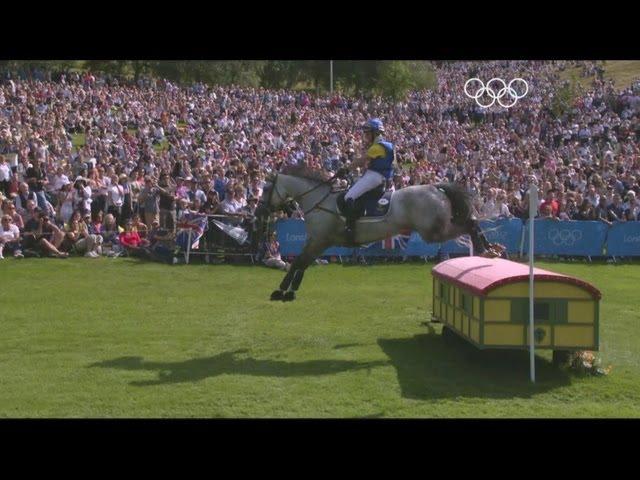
[
  {"x": 394, "y": 79},
  {"x": 565, "y": 96},
  {"x": 280, "y": 74},
  {"x": 317, "y": 72},
  {"x": 423, "y": 75}
]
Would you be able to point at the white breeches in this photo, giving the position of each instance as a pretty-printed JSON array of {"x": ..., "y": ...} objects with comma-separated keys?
[{"x": 369, "y": 181}]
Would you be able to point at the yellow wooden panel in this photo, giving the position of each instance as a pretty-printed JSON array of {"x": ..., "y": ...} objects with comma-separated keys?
[
  {"x": 573, "y": 336},
  {"x": 503, "y": 335},
  {"x": 581, "y": 312},
  {"x": 465, "y": 325},
  {"x": 546, "y": 341},
  {"x": 542, "y": 289},
  {"x": 475, "y": 330},
  {"x": 476, "y": 307},
  {"x": 452, "y": 292},
  {"x": 449, "y": 315},
  {"x": 497, "y": 310}
]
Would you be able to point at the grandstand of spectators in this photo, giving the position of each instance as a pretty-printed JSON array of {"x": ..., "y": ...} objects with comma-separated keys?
[{"x": 85, "y": 147}]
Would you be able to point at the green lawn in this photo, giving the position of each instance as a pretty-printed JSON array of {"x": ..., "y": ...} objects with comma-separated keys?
[
  {"x": 122, "y": 338},
  {"x": 78, "y": 140},
  {"x": 622, "y": 72}
]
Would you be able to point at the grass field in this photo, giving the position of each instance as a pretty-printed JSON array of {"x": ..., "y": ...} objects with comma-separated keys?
[
  {"x": 622, "y": 72},
  {"x": 122, "y": 338}
]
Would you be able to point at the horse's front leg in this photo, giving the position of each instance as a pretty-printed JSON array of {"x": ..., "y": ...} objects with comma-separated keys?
[{"x": 294, "y": 276}]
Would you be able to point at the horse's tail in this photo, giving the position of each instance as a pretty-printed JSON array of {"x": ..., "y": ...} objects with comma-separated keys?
[
  {"x": 460, "y": 202},
  {"x": 461, "y": 213}
]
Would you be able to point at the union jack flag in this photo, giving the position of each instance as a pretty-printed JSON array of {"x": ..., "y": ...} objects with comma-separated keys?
[
  {"x": 194, "y": 222},
  {"x": 396, "y": 242}
]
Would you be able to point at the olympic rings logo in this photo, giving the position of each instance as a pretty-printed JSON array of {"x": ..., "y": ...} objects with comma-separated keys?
[
  {"x": 567, "y": 238},
  {"x": 483, "y": 92}
]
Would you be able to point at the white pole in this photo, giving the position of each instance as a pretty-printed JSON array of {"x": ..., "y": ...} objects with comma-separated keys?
[
  {"x": 533, "y": 211},
  {"x": 188, "y": 245},
  {"x": 331, "y": 74}
]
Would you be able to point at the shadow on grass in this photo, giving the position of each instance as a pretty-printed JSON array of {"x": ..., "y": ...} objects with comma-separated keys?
[
  {"x": 197, "y": 369},
  {"x": 428, "y": 367}
]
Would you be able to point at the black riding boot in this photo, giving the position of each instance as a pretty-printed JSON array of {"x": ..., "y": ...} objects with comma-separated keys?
[{"x": 351, "y": 215}]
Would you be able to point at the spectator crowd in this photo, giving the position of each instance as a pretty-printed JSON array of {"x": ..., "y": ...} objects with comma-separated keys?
[{"x": 99, "y": 165}]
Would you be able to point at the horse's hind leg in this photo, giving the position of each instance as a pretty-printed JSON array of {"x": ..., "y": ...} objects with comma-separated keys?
[
  {"x": 481, "y": 245},
  {"x": 479, "y": 241}
]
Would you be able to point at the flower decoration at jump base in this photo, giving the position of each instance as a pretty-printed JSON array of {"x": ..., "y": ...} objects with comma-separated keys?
[{"x": 587, "y": 363}]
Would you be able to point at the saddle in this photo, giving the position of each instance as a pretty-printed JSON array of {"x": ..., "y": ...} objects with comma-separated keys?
[{"x": 374, "y": 203}]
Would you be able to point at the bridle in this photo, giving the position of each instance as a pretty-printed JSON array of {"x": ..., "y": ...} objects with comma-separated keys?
[
  {"x": 286, "y": 200},
  {"x": 267, "y": 205}
]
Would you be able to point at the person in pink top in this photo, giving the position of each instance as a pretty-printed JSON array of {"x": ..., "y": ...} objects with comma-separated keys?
[{"x": 130, "y": 240}]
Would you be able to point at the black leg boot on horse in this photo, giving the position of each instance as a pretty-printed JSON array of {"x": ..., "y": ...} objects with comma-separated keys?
[{"x": 292, "y": 280}]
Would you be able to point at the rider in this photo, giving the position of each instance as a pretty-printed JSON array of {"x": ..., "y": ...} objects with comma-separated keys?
[{"x": 379, "y": 160}]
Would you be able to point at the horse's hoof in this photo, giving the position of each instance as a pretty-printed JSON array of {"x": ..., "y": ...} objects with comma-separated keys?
[
  {"x": 289, "y": 297},
  {"x": 277, "y": 295}
]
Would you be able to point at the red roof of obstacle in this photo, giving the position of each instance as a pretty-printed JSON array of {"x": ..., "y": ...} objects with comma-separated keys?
[{"x": 481, "y": 275}]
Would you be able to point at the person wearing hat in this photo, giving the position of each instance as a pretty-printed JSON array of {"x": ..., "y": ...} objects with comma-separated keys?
[{"x": 379, "y": 160}]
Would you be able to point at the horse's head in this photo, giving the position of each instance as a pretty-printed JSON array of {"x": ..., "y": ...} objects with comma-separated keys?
[{"x": 274, "y": 197}]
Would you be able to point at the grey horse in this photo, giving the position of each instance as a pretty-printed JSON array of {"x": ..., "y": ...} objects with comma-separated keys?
[{"x": 437, "y": 212}]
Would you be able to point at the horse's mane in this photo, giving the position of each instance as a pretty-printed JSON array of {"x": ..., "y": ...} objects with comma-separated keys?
[{"x": 302, "y": 171}]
